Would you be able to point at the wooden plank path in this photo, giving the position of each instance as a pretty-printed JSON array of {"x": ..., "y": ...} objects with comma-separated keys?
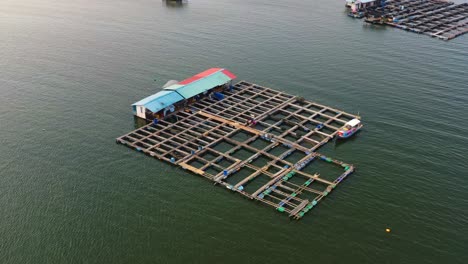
[
  {"x": 231, "y": 123},
  {"x": 271, "y": 162}
]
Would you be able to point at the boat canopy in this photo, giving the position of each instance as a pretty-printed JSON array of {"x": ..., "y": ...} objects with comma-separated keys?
[{"x": 354, "y": 122}]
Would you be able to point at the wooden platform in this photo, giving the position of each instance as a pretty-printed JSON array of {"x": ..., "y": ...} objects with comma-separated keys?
[
  {"x": 436, "y": 18},
  {"x": 272, "y": 162}
]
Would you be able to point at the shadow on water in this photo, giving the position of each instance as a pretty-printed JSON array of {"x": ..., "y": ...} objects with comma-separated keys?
[
  {"x": 175, "y": 3},
  {"x": 338, "y": 142},
  {"x": 369, "y": 26},
  {"x": 139, "y": 122}
]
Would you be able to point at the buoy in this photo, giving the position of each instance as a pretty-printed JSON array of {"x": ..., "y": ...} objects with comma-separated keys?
[{"x": 388, "y": 230}]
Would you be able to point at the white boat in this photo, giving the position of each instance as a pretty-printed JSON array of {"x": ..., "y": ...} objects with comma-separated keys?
[{"x": 350, "y": 128}]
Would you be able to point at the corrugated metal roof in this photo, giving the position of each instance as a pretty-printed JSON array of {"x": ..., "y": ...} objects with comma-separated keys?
[
  {"x": 188, "y": 88},
  {"x": 173, "y": 87},
  {"x": 229, "y": 74},
  {"x": 202, "y": 82},
  {"x": 200, "y": 75},
  {"x": 160, "y": 100}
]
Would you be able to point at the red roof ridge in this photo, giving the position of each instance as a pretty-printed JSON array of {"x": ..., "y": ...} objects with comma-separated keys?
[{"x": 201, "y": 75}]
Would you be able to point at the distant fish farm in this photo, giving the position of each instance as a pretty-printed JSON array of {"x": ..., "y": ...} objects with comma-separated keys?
[
  {"x": 435, "y": 18},
  {"x": 252, "y": 140}
]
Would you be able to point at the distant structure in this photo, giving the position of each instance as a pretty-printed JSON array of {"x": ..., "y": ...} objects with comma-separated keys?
[
  {"x": 357, "y": 5},
  {"x": 435, "y": 18},
  {"x": 175, "y": 3}
]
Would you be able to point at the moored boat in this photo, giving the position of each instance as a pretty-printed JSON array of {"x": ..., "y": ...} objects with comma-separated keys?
[{"x": 350, "y": 128}]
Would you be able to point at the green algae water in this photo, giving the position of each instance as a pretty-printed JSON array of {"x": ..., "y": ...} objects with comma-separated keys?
[{"x": 69, "y": 71}]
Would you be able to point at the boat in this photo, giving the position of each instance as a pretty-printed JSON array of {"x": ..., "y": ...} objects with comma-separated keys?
[
  {"x": 350, "y": 128},
  {"x": 356, "y": 14}
]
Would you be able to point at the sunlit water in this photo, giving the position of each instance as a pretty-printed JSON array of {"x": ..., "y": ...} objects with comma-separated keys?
[{"x": 69, "y": 71}]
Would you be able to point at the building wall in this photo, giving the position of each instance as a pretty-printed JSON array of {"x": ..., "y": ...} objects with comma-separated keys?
[
  {"x": 141, "y": 111},
  {"x": 358, "y": 6}
]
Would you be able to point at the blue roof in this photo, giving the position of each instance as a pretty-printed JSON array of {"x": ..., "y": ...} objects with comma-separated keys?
[
  {"x": 160, "y": 100},
  {"x": 201, "y": 85}
]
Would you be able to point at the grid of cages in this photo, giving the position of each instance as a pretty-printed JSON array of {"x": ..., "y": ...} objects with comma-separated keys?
[
  {"x": 273, "y": 173},
  {"x": 435, "y": 18},
  {"x": 307, "y": 124},
  {"x": 244, "y": 101},
  {"x": 212, "y": 140},
  {"x": 280, "y": 175}
]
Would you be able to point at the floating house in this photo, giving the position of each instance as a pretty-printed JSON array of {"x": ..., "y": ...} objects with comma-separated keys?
[
  {"x": 357, "y": 5},
  {"x": 178, "y": 95}
]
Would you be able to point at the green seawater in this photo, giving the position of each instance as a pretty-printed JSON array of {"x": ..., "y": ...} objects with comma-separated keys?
[{"x": 69, "y": 71}]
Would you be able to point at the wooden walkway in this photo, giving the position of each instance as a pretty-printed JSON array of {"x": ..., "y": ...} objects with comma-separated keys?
[
  {"x": 436, "y": 18},
  {"x": 271, "y": 162}
]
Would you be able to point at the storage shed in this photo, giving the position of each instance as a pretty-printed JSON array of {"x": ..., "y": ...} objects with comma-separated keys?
[
  {"x": 164, "y": 101},
  {"x": 357, "y": 5},
  {"x": 202, "y": 82},
  {"x": 155, "y": 103}
]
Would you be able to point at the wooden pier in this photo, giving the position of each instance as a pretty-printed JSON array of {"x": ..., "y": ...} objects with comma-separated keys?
[
  {"x": 271, "y": 162},
  {"x": 435, "y": 18}
]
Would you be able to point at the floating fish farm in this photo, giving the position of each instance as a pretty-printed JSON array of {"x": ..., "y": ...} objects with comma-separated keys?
[
  {"x": 271, "y": 160},
  {"x": 436, "y": 18}
]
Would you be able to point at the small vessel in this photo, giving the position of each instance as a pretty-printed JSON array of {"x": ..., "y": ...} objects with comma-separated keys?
[
  {"x": 356, "y": 14},
  {"x": 351, "y": 127}
]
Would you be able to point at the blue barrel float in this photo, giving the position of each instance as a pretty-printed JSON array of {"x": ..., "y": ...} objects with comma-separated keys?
[{"x": 218, "y": 96}]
